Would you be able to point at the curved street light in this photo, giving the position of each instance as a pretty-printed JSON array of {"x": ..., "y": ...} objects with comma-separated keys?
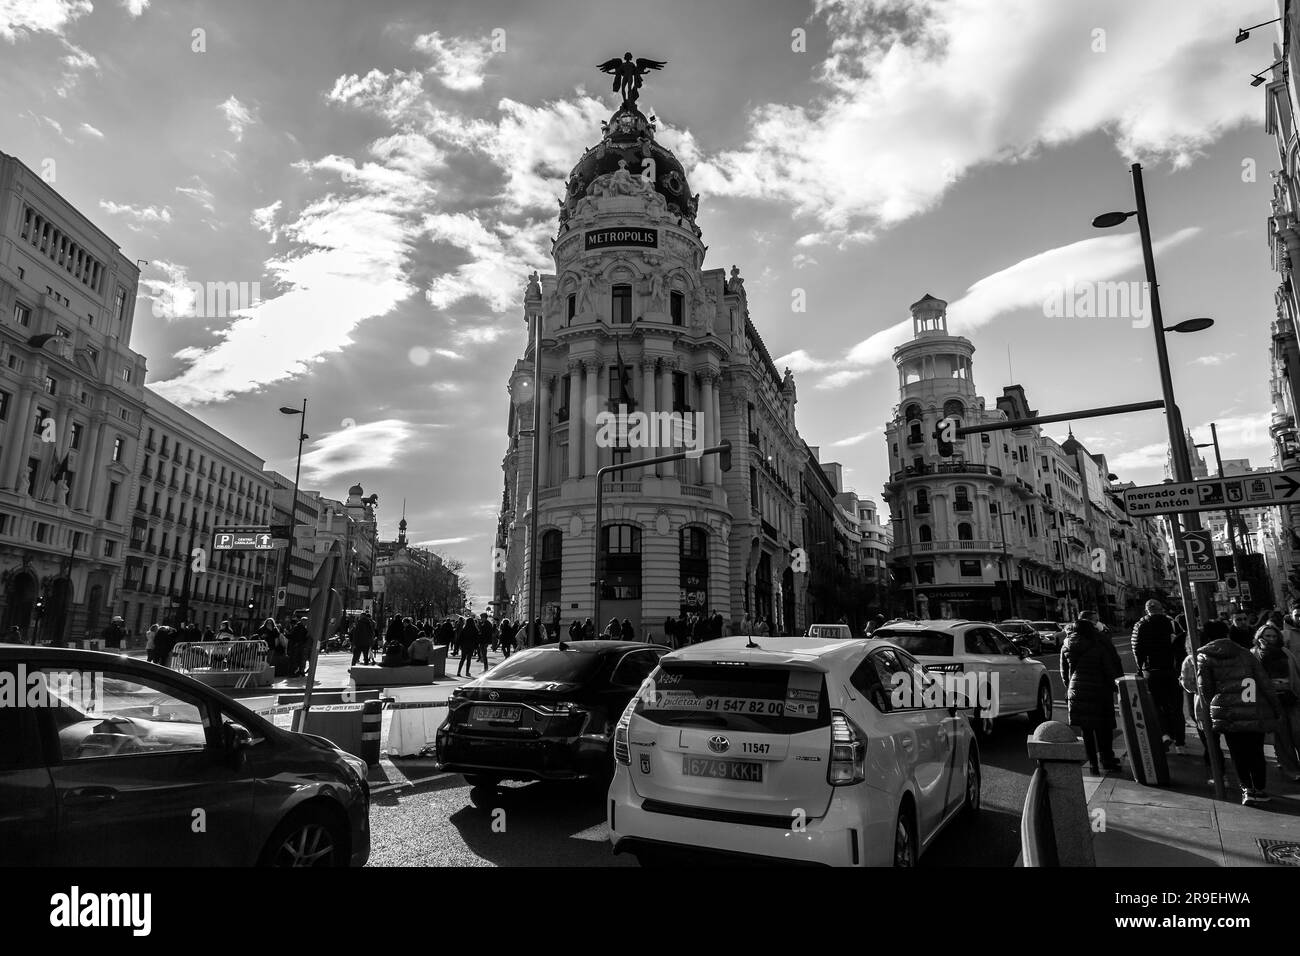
[{"x": 293, "y": 504}]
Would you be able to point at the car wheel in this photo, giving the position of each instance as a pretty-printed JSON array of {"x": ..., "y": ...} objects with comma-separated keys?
[
  {"x": 971, "y": 804},
  {"x": 481, "y": 780},
  {"x": 1043, "y": 712},
  {"x": 905, "y": 838},
  {"x": 308, "y": 837}
]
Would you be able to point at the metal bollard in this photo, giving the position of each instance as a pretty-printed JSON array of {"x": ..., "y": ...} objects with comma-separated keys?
[
  {"x": 1058, "y": 782},
  {"x": 372, "y": 719}
]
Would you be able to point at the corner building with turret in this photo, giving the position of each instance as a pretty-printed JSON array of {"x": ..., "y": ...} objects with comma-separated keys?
[{"x": 631, "y": 322}]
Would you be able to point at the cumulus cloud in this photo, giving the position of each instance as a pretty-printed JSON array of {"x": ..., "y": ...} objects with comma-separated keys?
[
  {"x": 21, "y": 17},
  {"x": 458, "y": 62},
  {"x": 135, "y": 7},
  {"x": 264, "y": 219},
  {"x": 173, "y": 296},
  {"x": 1029, "y": 283},
  {"x": 920, "y": 92},
  {"x": 1218, "y": 358},
  {"x": 239, "y": 116},
  {"x": 367, "y": 446},
  {"x": 137, "y": 216},
  {"x": 201, "y": 194}
]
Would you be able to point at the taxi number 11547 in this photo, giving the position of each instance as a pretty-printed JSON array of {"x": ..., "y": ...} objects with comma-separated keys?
[{"x": 752, "y": 748}]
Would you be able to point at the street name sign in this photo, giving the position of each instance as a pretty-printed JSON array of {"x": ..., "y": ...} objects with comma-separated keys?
[
  {"x": 242, "y": 539},
  {"x": 1214, "y": 494}
]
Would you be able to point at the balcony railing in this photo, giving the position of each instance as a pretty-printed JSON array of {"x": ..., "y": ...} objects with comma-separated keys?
[
  {"x": 963, "y": 506},
  {"x": 920, "y": 509},
  {"x": 951, "y": 544}
]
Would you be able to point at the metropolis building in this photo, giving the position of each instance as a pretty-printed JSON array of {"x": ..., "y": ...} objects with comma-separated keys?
[{"x": 630, "y": 322}]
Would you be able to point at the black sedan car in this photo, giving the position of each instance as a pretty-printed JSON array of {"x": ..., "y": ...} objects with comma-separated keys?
[
  {"x": 547, "y": 713},
  {"x": 109, "y": 760}
]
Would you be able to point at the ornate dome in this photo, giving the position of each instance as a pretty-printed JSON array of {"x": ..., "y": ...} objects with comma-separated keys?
[
  {"x": 629, "y": 136},
  {"x": 356, "y": 490}
]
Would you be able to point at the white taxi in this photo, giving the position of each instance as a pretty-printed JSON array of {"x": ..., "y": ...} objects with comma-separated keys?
[
  {"x": 794, "y": 750},
  {"x": 1001, "y": 679}
]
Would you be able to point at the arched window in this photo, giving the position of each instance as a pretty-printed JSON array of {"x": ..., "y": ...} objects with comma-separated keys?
[
  {"x": 551, "y": 569},
  {"x": 965, "y": 532},
  {"x": 961, "y": 498},
  {"x": 922, "y": 501},
  {"x": 621, "y": 544},
  {"x": 953, "y": 409},
  {"x": 912, "y": 413},
  {"x": 621, "y": 305},
  {"x": 924, "y": 533}
]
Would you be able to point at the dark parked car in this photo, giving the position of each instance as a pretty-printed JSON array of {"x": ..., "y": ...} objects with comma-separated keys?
[
  {"x": 109, "y": 760},
  {"x": 547, "y": 713},
  {"x": 1022, "y": 634}
]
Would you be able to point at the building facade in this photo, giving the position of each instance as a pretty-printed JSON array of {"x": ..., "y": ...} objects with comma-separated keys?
[
  {"x": 634, "y": 330},
  {"x": 1005, "y": 523},
  {"x": 188, "y": 479},
  {"x": 301, "y": 518},
  {"x": 71, "y": 403}
]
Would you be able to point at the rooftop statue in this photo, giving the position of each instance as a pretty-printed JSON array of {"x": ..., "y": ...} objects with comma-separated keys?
[{"x": 627, "y": 74}]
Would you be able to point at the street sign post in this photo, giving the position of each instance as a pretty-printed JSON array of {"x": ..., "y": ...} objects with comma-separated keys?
[
  {"x": 1214, "y": 494},
  {"x": 242, "y": 539},
  {"x": 1200, "y": 564}
]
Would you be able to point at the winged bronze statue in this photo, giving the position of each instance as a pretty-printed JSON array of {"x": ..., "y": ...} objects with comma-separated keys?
[{"x": 627, "y": 74}]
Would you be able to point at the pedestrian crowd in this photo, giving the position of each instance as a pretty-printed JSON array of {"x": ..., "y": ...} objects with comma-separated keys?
[{"x": 1240, "y": 684}]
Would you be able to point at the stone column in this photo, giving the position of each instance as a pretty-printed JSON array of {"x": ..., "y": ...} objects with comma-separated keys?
[
  {"x": 708, "y": 466},
  {"x": 715, "y": 387},
  {"x": 89, "y": 468},
  {"x": 648, "y": 364},
  {"x": 670, "y": 469},
  {"x": 575, "y": 418},
  {"x": 589, "y": 409},
  {"x": 98, "y": 498},
  {"x": 18, "y": 446},
  {"x": 543, "y": 386}
]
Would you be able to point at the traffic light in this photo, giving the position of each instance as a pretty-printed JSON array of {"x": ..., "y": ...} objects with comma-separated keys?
[
  {"x": 944, "y": 436},
  {"x": 250, "y": 607},
  {"x": 724, "y": 456},
  {"x": 40, "y": 605}
]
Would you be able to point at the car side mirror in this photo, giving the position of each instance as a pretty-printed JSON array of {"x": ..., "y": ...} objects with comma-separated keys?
[
  {"x": 235, "y": 740},
  {"x": 1022, "y": 652}
]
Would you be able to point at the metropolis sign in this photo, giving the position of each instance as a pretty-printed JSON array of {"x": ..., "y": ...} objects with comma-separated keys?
[{"x": 605, "y": 238}]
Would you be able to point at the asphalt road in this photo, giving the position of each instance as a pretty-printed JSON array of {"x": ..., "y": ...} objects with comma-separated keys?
[{"x": 423, "y": 818}]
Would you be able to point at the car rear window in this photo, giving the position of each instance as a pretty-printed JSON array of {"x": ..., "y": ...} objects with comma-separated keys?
[
  {"x": 737, "y": 697},
  {"x": 549, "y": 665},
  {"x": 919, "y": 643}
]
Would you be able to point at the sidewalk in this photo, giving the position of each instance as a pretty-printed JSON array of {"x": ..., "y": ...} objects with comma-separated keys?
[{"x": 1182, "y": 824}]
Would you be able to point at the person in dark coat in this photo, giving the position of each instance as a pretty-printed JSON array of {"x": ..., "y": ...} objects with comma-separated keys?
[
  {"x": 299, "y": 643},
  {"x": 444, "y": 635},
  {"x": 1154, "y": 639},
  {"x": 1240, "y": 631},
  {"x": 164, "y": 639},
  {"x": 670, "y": 631},
  {"x": 1283, "y": 668},
  {"x": 715, "y": 625},
  {"x": 588, "y": 630},
  {"x": 700, "y": 629},
  {"x": 362, "y": 637},
  {"x": 467, "y": 646},
  {"x": 1242, "y": 705},
  {"x": 1089, "y": 667},
  {"x": 626, "y": 632},
  {"x": 506, "y": 636},
  {"x": 575, "y": 630},
  {"x": 457, "y": 636},
  {"x": 114, "y": 634}
]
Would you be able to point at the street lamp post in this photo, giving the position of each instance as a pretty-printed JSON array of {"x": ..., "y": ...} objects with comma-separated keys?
[
  {"x": 293, "y": 505},
  {"x": 1197, "y": 610}
]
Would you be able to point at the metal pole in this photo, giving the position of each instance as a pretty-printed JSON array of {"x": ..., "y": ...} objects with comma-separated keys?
[
  {"x": 1015, "y": 424},
  {"x": 1198, "y": 611},
  {"x": 534, "y": 553},
  {"x": 1231, "y": 514},
  {"x": 293, "y": 506},
  {"x": 1006, "y": 564},
  {"x": 189, "y": 567}
]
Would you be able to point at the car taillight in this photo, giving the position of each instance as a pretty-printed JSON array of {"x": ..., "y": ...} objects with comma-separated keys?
[
  {"x": 621, "y": 752},
  {"x": 848, "y": 763}
]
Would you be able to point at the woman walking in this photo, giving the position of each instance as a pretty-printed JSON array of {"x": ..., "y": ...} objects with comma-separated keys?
[
  {"x": 1242, "y": 705},
  {"x": 1089, "y": 667},
  {"x": 1283, "y": 668}
]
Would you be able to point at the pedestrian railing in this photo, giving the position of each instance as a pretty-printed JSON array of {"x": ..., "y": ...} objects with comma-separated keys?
[{"x": 240, "y": 659}]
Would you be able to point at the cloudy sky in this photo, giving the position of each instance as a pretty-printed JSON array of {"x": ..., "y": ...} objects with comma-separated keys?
[{"x": 386, "y": 173}]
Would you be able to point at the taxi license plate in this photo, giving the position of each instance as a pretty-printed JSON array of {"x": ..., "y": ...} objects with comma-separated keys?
[
  {"x": 744, "y": 770},
  {"x": 495, "y": 713}
]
